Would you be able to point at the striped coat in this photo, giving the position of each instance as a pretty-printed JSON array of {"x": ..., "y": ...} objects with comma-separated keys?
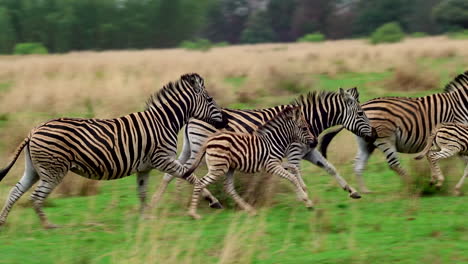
[
  {"x": 321, "y": 110},
  {"x": 106, "y": 149},
  {"x": 404, "y": 123},
  {"x": 262, "y": 150}
]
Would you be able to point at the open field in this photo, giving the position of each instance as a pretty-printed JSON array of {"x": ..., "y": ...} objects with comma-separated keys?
[{"x": 385, "y": 227}]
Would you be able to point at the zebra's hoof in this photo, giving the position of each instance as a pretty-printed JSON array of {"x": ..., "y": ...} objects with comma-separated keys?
[
  {"x": 216, "y": 205},
  {"x": 51, "y": 226},
  {"x": 457, "y": 193},
  {"x": 355, "y": 195},
  {"x": 195, "y": 216},
  {"x": 252, "y": 212}
]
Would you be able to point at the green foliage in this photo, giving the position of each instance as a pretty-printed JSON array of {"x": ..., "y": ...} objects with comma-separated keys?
[
  {"x": 373, "y": 14},
  {"x": 258, "y": 30},
  {"x": 201, "y": 44},
  {"x": 7, "y": 39},
  {"x": 463, "y": 34},
  {"x": 30, "y": 48},
  {"x": 418, "y": 34},
  {"x": 387, "y": 33},
  {"x": 452, "y": 12},
  {"x": 314, "y": 37}
]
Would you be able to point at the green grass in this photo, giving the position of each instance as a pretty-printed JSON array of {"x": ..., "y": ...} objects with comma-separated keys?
[{"x": 384, "y": 227}]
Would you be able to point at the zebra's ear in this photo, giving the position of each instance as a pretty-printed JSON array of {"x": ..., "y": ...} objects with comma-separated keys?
[
  {"x": 354, "y": 92},
  {"x": 348, "y": 98},
  {"x": 294, "y": 112}
]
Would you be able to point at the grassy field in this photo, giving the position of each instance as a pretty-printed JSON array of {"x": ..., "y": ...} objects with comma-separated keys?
[{"x": 388, "y": 226}]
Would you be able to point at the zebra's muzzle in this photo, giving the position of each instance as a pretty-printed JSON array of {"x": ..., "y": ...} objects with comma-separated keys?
[
  {"x": 223, "y": 123},
  {"x": 372, "y": 137},
  {"x": 313, "y": 144}
]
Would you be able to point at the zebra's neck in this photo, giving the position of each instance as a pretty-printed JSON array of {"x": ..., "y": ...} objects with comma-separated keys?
[
  {"x": 174, "y": 115},
  {"x": 321, "y": 116},
  {"x": 460, "y": 110},
  {"x": 278, "y": 137}
]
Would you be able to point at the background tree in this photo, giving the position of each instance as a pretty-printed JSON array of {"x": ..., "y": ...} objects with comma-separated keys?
[
  {"x": 258, "y": 29},
  {"x": 7, "y": 38},
  {"x": 373, "y": 14},
  {"x": 453, "y": 13}
]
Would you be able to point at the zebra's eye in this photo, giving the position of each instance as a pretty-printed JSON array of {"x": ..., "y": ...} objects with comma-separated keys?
[
  {"x": 360, "y": 113},
  {"x": 305, "y": 129},
  {"x": 209, "y": 99}
]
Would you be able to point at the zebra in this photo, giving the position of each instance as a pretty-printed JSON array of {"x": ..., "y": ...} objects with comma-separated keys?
[
  {"x": 404, "y": 123},
  {"x": 321, "y": 110},
  {"x": 263, "y": 149},
  {"x": 449, "y": 139},
  {"x": 109, "y": 149}
]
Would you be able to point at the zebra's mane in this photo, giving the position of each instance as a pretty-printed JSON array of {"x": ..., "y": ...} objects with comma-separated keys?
[
  {"x": 269, "y": 123},
  {"x": 460, "y": 82},
  {"x": 161, "y": 95},
  {"x": 312, "y": 97}
]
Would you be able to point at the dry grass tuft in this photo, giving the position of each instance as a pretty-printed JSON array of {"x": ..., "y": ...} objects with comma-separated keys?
[
  {"x": 410, "y": 77},
  {"x": 74, "y": 185}
]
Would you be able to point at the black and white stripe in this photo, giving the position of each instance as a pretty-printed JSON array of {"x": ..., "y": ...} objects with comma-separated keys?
[
  {"x": 107, "y": 149},
  {"x": 447, "y": 140},
  {"x": 262, "y": 150},
  {"x": 321, "y": 109},
  {"x": 403, "y": 124}
]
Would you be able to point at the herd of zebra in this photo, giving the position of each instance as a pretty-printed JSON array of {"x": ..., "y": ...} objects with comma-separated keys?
[{"x": 245, "y": 140}]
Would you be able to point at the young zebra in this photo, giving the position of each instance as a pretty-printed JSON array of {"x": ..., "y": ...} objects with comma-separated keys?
[
  {"x": 449, "y": 139},
  {"x": 108, "y": 149},
  {"x": 404, "y": 123},
  {"x": 321, "y": 110},
  {"x": 263, "y": 149}
]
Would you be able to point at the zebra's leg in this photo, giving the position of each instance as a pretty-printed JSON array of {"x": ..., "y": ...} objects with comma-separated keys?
[
  {"x": 199, "y": 185},
  {"x": 294, "y": 156},
  {"x": 174, "y": 168},
  {"x": 142, "y": 183},
  {"x": 43, "y": 189},
  {"x": 30, "y": 177},
  {"x": 281, "y": 172},
  {"x": 391, "y": 155},
  {"x": 364, "y": 151},
  {"x": 433, "y": 157},
  {"x": 435, "y": 169},
  {"x": 167, "y": 178},
  {"x": 206, "y": 194},
  {"x": 460, "y": 182},
  {"x": 230, "y": 189},
  {"x": 316, "y": 158}
]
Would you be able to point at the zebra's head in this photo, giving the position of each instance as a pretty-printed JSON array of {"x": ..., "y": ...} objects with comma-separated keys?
[
  {"x": 301, "y": 127},
  {"x": 355, "y": 120},
  {"x": 204, "y": 107}
]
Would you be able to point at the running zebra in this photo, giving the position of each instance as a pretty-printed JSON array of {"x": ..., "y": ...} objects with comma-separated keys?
[
  {"x": 321, "y": 110},
  {"x": 449, "y": 139},
  {"x": 262, "y": 150},
  {"x": 403, "y": 124},
  {"x": 108, "y": 149}
]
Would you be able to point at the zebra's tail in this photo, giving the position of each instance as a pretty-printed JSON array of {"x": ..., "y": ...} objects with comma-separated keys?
[
  {"x": 4, "y": 171},
  {"x": 196, "y": 163},
  {"x": 428, "y": 146},
  {"x": 326, "y": 139}
]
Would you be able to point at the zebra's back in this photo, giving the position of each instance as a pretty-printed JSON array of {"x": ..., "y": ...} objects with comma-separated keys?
[
  {"x": 408, "y": 120},
  {"x": 452, "y": 135},
  {"x": 101, "y": 149}
]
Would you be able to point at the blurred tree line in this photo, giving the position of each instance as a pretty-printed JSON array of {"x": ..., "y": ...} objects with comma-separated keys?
[{"x": 65, "y": 25}]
